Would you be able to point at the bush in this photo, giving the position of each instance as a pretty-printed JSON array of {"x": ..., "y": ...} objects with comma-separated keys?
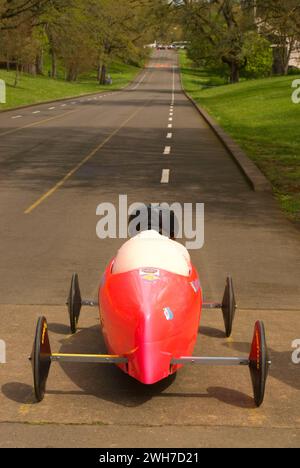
[{"x": 258, "y": 53}]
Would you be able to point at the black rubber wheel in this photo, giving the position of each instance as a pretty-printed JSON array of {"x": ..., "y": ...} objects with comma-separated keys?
[
  {"x": 74, "y": 303},
  {"x": 259, "y": 363},
  {"x": 41, "y": 359},
  {"x": 229, "y": 307}
]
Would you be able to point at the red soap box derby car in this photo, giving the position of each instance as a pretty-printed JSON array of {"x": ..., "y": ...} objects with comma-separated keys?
[{"x": 150, "y": 321}]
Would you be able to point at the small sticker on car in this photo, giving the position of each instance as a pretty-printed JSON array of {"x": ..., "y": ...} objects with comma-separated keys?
[{"x": 168, "y": 313}]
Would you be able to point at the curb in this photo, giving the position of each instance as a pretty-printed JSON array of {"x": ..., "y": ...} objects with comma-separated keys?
[
  {"x": 252, "y": 173},
  {"x": 71, "y": 98}
]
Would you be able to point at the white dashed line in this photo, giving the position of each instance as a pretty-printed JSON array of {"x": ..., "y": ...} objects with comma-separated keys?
[
  {"x": 63, "y": 105},
  {"x": 167, "y": 150},
  {"x": 173, "y": 87},
  {"x": 165, "y": 178},
  {"x": 170, "y": 126},
  {"x": 17, "y": 116},
  {"x": 170, "y": 135},
  {"x": 171, "y": 119},
  {"x": 51, "y": 108},
  {"x": 36, "y": 112}
]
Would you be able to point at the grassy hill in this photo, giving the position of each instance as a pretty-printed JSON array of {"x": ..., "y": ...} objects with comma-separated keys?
[
  {"x": 32, "y": 90},
  {"x": 261, "y": 117}
]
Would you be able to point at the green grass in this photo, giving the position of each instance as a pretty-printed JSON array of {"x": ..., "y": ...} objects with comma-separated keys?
[
  {"x": 261, "y": 117},
  {"x": 32, "y": 90}
]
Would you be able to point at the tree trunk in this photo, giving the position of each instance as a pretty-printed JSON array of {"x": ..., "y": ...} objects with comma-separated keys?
[
  {"x": 287, "y": 57},
  {"x": 53, "y": 64},
  {"x": 234, "y": 73},
  {"x": 281, "y": 58},
  {"x": 234, "y": 69},
  {"x": 30, "y": 68},
  {"x": 17, "y": 75},
  {"x": 52, "y": 51},
  {"x": 99, "y": 72},
  {"x": 277, "y": 62},
  {"x": 103, "y": 75},
  {"x": 69, "y": 74},
  {"x": 72, "y": 73},
  {"x": 39, "y": 63},
  {"x": 286, "y": 68},
  {"x": 285, "y": 60}
]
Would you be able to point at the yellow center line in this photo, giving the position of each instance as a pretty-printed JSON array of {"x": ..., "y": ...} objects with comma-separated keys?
[
  {"x": 40, "y": 122},
  {"x": 79, "y": 165},
  {"x": 98, "y": 356}
]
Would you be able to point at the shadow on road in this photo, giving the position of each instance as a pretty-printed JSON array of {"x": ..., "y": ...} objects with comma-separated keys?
[
  {"x": 19, "y": 393},
  {"x": 212, "y": 332},
  {"x": 59, "y": 329}
]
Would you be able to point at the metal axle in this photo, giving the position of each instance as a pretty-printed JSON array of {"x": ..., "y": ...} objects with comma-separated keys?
[
  {"x": 211, "y": 361},
  {"x": 88, "y": 358},
  {"x": 89, "y": 303},
  {"x": 212, "y": 305}
]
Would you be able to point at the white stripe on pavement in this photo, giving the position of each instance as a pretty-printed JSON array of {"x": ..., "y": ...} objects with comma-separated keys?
[
  {"x": 173, "y": 87},
  {"x": 165, "y": 178},
  {"x": 167, "y": 150}
]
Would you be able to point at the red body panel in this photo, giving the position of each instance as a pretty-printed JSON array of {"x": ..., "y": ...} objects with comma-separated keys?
[{"x": 150, "y": 318}]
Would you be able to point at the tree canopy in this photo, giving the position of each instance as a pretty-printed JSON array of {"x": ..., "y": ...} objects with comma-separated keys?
[
  {"x": 236, "y": 32},
  {"x": 79, "y": 34},
  {"x": 239, "y": 36}
]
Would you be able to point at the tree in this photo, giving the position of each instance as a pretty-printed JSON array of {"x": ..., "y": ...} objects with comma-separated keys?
[
  {"x": 14, "y": 13},
  {"x": 79, "y": 35},
  {"x": 120, "y": 29},
  {"x": 23, "y": 51},
  {"x": 280, "y": 22},
  {"x": 259, "y": 55},
  {"x": 217, "y": 29}
]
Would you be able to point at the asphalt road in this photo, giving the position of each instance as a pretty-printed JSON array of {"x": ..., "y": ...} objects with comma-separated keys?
[{"x": 57, "y": 164}]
